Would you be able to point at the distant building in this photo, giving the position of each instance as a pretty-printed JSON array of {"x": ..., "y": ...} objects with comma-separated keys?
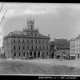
[
  {"x": 60, "y": 48},
  {"x": 75, "y": 47},
  {"x": 52, "y": 49},
  {"x": 27, "y": 44}
]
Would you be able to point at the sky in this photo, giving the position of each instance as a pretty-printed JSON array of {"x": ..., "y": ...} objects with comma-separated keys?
[{"x": 60, "y": 20}]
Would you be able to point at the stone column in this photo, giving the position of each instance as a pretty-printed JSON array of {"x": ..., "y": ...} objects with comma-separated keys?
[
  {"x": 28, "y": 54},
  {"x": 17, "y": 55},
  {"x": 55, "y": 52},
  {"x": 32, "y": 54},
  {"x": 47, "y": 55},
  {"x": 40, "y": 54},
  {"x": 25, "y": 54}
]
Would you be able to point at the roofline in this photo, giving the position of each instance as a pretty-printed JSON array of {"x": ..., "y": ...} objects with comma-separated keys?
[{"x": 6, "y": 37}]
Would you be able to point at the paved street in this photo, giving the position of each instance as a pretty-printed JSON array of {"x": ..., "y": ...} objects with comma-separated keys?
[{"x": 46, "y": 67}]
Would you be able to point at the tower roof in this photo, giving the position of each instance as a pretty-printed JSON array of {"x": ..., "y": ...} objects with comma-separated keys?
[{"x": 30, "y": 23}]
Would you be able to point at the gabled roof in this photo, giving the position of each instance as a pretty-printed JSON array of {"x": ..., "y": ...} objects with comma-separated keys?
[{"x": 61, "y": 41}]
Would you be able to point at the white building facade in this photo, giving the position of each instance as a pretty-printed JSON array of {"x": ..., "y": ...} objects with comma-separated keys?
[{"x": 75, "y": 47}]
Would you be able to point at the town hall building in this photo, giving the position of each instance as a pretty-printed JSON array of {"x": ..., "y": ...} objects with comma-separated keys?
[{"x": 28, "y": 43}]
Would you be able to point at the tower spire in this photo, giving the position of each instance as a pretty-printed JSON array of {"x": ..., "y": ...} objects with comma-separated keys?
[{"x": 30, "y": 22}]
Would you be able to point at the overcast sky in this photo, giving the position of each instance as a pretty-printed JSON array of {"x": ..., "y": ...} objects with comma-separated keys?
[{"x": 58, "y": 20}]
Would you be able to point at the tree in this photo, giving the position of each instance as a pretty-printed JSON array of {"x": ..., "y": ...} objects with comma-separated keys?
[
  {"x": 2, "y": 17},
  {"x": 4, "y": 13}
]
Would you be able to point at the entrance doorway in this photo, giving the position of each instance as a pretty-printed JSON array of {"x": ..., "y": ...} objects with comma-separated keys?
[
  {"x": 52, "y": 55},
  {"x": 34, "y": 54},
  {"x": 38, "y": 54},
  {"x": 30, "y": 55}
]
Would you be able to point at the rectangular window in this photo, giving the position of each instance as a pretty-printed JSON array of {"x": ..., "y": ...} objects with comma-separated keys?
[
  {"x": 36, "y": 47},
  {"x": 39, "y": 47},
  {"x": 23, "y": 47},
  {"x": 35, "y": 41},
  {"x": 32, "y": 47},
  {"x": 28, "y": 47},
  {"x": 43, "y": 41},
  {"x": 19, "y": 47},
  {"x": 39, "y": 41},
  {"x": 43, "y": 47},
  {"x": 18, "y": 41},
  {"x": 47, "y": 47},
  {"x": 14, "y": 47},
  {"x": 31, "y": 41},
  {"x": 27, "y": 41}
]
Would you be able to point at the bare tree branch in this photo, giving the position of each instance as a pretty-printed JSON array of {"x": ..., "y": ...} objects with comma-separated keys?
[
  {"x": 1, "y": 7},
  {"x": 3, "y": 17}
]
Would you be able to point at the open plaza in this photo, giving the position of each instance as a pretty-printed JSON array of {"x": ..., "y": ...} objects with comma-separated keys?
[{"x": 40, "y": 67}]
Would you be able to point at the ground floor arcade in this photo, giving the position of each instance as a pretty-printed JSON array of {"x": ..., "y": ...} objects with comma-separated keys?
[{"x": 30, "y": 55}]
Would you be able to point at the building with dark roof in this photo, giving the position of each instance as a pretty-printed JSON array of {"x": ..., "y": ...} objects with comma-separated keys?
[
  {"x": 29, "y": 43},
  {"x": 60, "y": 48}
]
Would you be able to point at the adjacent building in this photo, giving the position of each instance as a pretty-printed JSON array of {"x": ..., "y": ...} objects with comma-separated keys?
[
  {"x": 28, "y": 43},
  {"x": 75, "y": 47},
  {"x": 60, "y": 48}
]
